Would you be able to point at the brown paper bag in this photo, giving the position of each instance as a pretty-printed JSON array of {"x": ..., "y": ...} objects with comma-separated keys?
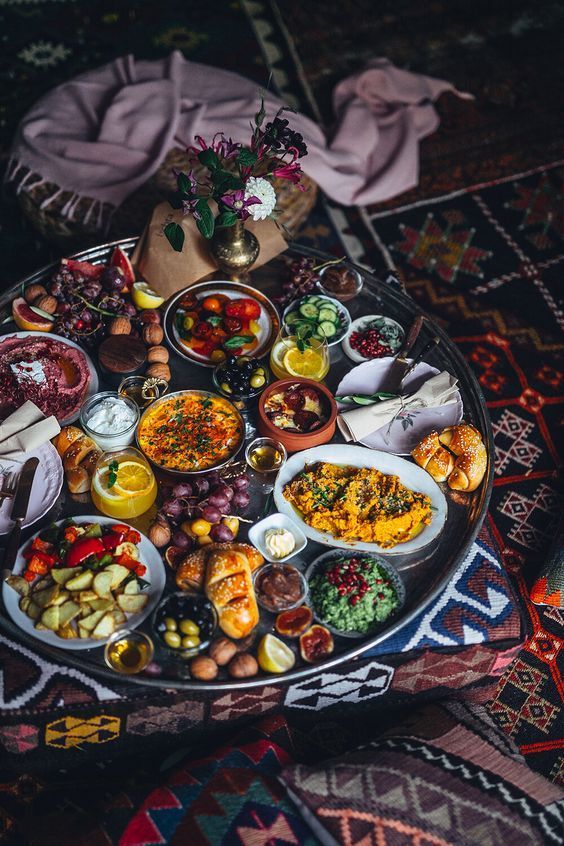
[{"x": 168, "y": 271}]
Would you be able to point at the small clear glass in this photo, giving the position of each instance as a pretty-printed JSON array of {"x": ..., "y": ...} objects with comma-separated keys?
[
  {"x": 266, "y": 456},
  {"x": 128, "y": 651},
  {"x": 112, "y": 439},
  {"x": 143, "y": 390}
]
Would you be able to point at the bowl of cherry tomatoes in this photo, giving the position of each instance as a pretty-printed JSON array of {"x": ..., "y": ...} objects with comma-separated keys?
[{"x": 212, "y": 321}]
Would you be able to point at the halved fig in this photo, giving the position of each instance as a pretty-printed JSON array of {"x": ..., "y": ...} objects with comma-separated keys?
[
  {"x": 316, "y": 644},
  {"x": 304, "y": 420},
  {"x": 174, "y": 555},
  {"x": 294, "y": 399},
  {"x": 293, "y": 622}
]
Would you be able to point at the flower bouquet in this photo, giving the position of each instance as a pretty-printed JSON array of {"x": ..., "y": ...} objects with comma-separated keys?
[{"x": 237, "y": 178}]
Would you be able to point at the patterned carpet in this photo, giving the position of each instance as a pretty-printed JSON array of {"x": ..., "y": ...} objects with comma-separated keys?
[{"x": 483, "y": 261}]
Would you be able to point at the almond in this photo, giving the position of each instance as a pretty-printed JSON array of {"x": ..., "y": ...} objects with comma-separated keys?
[{"x": 157, "y": 354}]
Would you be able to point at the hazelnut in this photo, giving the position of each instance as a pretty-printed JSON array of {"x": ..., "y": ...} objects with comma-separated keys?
[
  {"x": 47, "y": 303},
  {"x": 243, "y": 666},
  {"x": 159, "y": 371},
  {"x": 222, "y": 651},
  {"x": 149, "y": 315},
  {"x": 33, "y": 292},
  {"x": 159, "y": 534},
  {"x": 157, "y": 354},
  {"x": 203, "y": 668},
  {"x": 152, "y": 333},
  {"x": 120, "y": 326}
]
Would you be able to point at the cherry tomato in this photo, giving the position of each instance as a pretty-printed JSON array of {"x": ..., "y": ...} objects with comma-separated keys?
[
  {"x": 243, "y": 308},
  {"x": 212, "y": 304},
  {"x": 232, "y": 324},
  {"x": 188, "y": 301},
  {"x": 218, "y": 335},
  {"x": 202, "y": 330}
]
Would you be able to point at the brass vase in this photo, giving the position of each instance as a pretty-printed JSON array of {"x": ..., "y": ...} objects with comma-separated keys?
[{"x": 235, "y": 250}]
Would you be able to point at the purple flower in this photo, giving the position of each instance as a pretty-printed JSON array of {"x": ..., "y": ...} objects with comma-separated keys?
[{"x": 237, "y": 203}]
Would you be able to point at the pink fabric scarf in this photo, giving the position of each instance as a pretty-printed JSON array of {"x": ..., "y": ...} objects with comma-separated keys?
[{"x": 103, "y": 134}]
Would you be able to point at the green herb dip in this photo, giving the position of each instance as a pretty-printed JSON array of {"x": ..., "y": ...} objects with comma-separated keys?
[{"x": 353, "y": 594}]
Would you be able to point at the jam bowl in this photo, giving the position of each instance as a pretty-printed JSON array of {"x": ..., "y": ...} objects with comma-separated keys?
[{"x": 304, "y": 394}]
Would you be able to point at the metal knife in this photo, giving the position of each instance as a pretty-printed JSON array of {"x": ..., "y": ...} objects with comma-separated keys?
[
  {"x": 420, "y": 355},
  {"x": 19, "y": 511},
  {"x": 392, "y": 382}
]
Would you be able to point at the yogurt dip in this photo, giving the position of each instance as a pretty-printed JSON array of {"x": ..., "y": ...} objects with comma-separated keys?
[
  {"x": 279, "y": 542},
  {"x": 110, "y": 420}
]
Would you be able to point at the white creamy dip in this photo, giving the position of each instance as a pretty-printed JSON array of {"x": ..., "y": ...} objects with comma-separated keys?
[
  {"x": 109, "y": 419},
  {"x": 279, "y": 542}
]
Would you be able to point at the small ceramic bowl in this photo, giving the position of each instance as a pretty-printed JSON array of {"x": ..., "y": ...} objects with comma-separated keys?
[
  {"x": 343, "y": 313},
  {"x": 296, "y": 441},
  {"x": 360, "y": 325},
  {"x": 325, "y": 560},
  {"x": 342, "y": 297},
  {"x": 276, "y": 521},
  {"x": 276, "y": 606}
]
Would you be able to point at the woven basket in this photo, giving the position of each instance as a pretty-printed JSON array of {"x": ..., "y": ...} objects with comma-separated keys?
[{"x": 130, "y": 218}]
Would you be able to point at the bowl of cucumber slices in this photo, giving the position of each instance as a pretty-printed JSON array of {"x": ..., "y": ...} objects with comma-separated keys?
[{"x": 324, "y": 316}]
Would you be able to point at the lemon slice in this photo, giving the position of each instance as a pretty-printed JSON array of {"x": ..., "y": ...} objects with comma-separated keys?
[
  {"x": 274, "y": 656},
  {"x": 145, "y": 297},
  {"x": 132, "y": 479},
  {"x": 309, "y": 363}
]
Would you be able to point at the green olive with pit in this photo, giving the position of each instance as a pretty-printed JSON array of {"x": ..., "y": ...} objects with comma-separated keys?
[
  {"x": 225, "y": 388},
  {"x": 172, "y": 639},
  {"x": 170, "y": 624},
  {"x": 190, "y": 642},
  {"x": 189, "y": 627},
  {"x": 257, "y": 381}
]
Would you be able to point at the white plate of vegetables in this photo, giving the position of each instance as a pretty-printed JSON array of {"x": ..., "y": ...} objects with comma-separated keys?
[{"x": 320, "y": 316}]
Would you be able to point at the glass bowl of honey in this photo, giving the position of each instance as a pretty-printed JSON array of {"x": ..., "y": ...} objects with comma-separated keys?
[{"x": 128, "y": 651}]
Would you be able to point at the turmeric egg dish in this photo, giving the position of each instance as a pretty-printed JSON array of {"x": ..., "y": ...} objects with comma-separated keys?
[
  {"x": 358, "y": 504},
  {"x": 190, "y": 431}
]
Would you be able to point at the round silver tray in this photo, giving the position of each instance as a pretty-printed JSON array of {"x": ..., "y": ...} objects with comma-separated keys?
[{"x": 424, "y": 574}]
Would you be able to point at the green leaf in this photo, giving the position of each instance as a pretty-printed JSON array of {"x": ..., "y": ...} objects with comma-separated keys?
[
  {"x": 112, "y": 477},
  {"x": 261, "y": 114},
  {"x": 206, "y": 222},
  {"x": 175, "y": 236},
  {"x": 237, "y": 341},
  {"x": 214, "y": 320},
  {"x": 209, "y": 159},
  {"x": 246, "y": 157},
  {"x": 184, "y": 183},
  {"x": 365, "y": 399},
  {"x": 224, "y": 219},
  {"x": 176, "y": 200}
]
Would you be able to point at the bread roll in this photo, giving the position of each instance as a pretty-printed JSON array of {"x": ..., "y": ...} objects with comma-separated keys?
[
  {"x": 229, "y": 585},
  {"x": 471, "y": 461},
  {"x": 66, "y": 437},
  {"x": 433, "y": 457},
  {"x": 78, "y": 480},
  {"x": 191, "y": 571},
  {"x": 78, "y": 451}
]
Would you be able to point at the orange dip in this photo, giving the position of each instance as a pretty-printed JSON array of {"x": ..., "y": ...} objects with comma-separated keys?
[{"x": 190, "y": 432}]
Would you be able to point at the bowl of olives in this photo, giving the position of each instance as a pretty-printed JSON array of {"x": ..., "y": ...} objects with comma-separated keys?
[
  {"x": 240, "y": 378},
  {"x": 185, "y": 623}
]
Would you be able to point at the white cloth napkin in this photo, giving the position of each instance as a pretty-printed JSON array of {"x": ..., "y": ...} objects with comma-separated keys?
[
  {"x": 26, "y": 429},
  {"x": 358, "y": 423}
]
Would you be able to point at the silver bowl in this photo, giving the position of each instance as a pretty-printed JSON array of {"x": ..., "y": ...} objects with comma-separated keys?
[{"x": 200, "y": 393}]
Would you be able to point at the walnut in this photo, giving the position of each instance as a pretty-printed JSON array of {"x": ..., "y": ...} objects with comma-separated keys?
[
  {"x": 157, "y": 354},
  {"x": 159, "y": 534},
  {"x": 203, "y": 668},
  {"x": 243, "y": 666},
  {"x": 120, "y": 326},
  {"x": 159, "y": 371},
  {"x": 33, "y": 292},
  {"x": 47, "y": 303},
  {"x": 152, "y": 334}
]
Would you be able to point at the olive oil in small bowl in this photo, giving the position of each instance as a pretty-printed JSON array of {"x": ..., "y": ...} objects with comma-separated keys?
[
  {"x": 265, "y": 455},
  {"x": 128, "y": 652}
]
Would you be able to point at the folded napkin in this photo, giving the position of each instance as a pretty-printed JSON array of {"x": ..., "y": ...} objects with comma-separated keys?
[
  {"x": 26, "y": 429},
  {"x": 361, "y": 422}
]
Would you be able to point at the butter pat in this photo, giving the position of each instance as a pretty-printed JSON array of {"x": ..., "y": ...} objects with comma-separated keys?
[{"x": 279, "y": 542}]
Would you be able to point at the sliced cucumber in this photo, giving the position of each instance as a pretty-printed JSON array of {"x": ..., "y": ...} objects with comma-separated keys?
[
  {"x": 327, "y": 328},
  {"x": 293, "y": 317},
  {"x": 328, "y": 314},
  {"x": 309, "y": 310}
]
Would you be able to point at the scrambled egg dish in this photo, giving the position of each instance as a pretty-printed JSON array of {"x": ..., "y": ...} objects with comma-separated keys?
[{"x": 358, "y": 504}]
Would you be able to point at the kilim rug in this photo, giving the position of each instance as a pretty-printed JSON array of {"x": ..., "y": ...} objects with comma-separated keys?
[
  {"x": 479, "y": 245},
  {"x": 485, "y": 263}
]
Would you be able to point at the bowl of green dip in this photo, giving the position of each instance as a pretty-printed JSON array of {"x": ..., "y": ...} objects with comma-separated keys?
[{"x": 354, "y": 593}]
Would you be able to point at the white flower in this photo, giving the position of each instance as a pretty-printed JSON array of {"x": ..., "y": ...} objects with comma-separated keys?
[
  {"x": 263, "y": 191},
  {"x": 43, "y": 54}
]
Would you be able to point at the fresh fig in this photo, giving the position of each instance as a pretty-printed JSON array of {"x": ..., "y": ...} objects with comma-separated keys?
[
  {"x": 316, "y": 644},
  {"x": 293, "y": 622}
]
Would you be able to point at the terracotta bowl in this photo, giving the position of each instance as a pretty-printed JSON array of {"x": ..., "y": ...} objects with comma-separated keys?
[{"x": 296, "y": 441}]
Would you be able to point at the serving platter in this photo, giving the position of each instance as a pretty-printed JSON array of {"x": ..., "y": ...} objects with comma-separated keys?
[
  {"x": 410, "y": 475},
  {"x": 155, "y": 575},
  {"x": 424, "y": 572}
]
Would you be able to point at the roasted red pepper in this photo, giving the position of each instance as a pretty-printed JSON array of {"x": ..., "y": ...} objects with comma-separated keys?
[
  {"x": 140, "y": 570},
  {"x": 71, "y": 533},
  {"x": 41, "y": 546},
  {"x": 37, "y": 566},
  {"x": 127, "y": 561},
  {"x": 112, "y": 541},
  {"x": 133, "y": 536},
  {"x": 80, "y": 550}
]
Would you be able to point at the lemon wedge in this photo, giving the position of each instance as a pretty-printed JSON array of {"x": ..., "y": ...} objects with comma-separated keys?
[
  {"x": 310, "y": 363},
  {"x": 145, "y": 297},
  {"x": 274, "y": 656},
  {"x": 132, "y": 479}
]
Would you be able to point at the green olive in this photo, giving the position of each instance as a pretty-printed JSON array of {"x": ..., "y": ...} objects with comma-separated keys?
[
  {"x": 170, "y": 624},
  {"x": 189, "y": 627},
  {"x": 189, "y": 642},
  {"x": 259, "y": 372},
  {"x": 257, "y": 381},
  {"x": 172, "y": 639},
  {"x": 225, "y": 387}
]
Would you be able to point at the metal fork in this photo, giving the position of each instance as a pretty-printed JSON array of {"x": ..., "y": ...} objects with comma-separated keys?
[{"x": 8, "y": 486}]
